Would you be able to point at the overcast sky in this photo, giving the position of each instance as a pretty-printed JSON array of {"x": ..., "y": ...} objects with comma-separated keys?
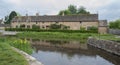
[{"x": 107, "y": 9}]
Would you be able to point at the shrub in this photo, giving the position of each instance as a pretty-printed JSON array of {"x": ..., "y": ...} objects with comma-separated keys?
[
  {"x": 23, "y": 45},
  {"x": 82, "y": 28},
  {"x": 93, "y": 28},
  {"x": 35, "y": 27},
  {"x": 51, "y": 30},
  {"x": 22, "y": 26},
  {"x": 55, "y": 26}
]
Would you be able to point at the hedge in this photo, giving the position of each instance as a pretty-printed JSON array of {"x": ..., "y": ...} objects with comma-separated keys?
[{"x": 50, "y": 30}]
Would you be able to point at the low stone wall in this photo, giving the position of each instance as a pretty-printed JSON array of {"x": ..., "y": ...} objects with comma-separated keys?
[
  {"x": 31, "y": 60},
  {"x": 110, "y": 46},
  {"x": 114, "y": 31}
]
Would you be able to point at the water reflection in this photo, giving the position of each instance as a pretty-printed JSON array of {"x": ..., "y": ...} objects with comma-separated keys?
[{"x": 58, "y": 52}]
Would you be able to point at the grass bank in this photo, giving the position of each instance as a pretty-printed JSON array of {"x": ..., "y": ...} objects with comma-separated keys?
[
  {"x": 54, "y": 35},
  {"x": 10, "y": 57},
  {"x": 61, "y": 35}
]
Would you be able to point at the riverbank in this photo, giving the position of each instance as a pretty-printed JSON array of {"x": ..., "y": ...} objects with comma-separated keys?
[
  {"x": 70, "y": 36},
  {"x": 8, "y": 56},
  {"x": 16, "y": 51},
  {"x": 31, "y": 60},
  {"x": 109, "y": 46}
]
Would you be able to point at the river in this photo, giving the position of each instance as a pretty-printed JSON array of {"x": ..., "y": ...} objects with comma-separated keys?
[{"x": 71, "y": 52}]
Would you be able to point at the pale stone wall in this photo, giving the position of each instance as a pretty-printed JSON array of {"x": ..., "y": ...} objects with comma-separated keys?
[
  {"x": 2, "y": 28},
  {"x": 89, "y": 24},
  {"x": 103, "y": 30},
  {"x": 109, "y": 46},
  {"x": 73, "y": 25},
  {"x": 114, "y": 31}
]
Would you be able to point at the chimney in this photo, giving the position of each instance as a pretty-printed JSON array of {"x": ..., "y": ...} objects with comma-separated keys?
[
  {"x": 37, "y": 14},
  {"x": 63, "y": 14},
  {"x": 26, "y": 14}
]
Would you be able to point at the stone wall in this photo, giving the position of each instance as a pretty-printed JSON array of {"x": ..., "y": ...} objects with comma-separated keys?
[
  {"x": 73, "y": 25},
  {"x": 109, "y": 46},
  {"x": 114, "y": 31}
]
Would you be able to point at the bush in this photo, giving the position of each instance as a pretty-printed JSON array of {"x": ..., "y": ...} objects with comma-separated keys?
[
  {"x": 22, "y": 26},
  {"x": 51, "y": 30},
  {"x": 35, "y": 27},
  {"x": 23, "y": 45},
  {"x": 55, "y": 26},
  {"x": 115, "y": 24},
  {"x": 93, "y": 28}
]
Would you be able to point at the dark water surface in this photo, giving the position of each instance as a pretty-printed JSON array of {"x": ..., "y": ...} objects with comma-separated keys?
[{"x": 57, "y": 52}]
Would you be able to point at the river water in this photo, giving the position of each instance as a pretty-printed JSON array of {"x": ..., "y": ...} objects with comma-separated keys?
[{"x": 71, "y": 52}]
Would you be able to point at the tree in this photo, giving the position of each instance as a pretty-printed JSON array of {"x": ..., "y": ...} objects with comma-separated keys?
[
  {"x": 64, "y": 12},
  {"x": 82, "y": 10},
  {"x": 115, "y": 24},
  {"x": 72, "y": 9},
  {"x": 10, "y": 17}
]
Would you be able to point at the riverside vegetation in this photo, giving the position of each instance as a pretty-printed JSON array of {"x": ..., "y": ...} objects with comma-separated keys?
[
  {"x": 62, "y": 34},
  {"x": 8, "y": 56},
  {"x": 68, "y": 36}
]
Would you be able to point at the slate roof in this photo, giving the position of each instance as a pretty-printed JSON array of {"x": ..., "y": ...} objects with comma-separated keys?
[{"x": 56, "y": 18}]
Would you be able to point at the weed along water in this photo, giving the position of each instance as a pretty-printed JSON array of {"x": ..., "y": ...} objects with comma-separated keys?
[{"x": 70, "y": 52}]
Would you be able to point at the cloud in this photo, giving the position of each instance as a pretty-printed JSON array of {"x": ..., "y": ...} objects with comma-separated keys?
[{"x": 52, "y": 7}]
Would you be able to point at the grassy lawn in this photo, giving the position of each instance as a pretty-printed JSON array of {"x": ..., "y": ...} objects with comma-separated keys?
[
  {"x": 60, "y": 35},
  {"x": 10, "y": 57},
  {"x": 107, "y": 37},
  {"x": 54, "y": 35}
]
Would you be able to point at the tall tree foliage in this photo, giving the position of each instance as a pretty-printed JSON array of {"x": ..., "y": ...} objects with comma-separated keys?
[
  {"x": 73, "y": 10},
  {"x": 10, "y": 17},
  {"x": 82, "y": 10},
  {"x": 115, "y": 24},
  {"x": 64, "y": 12}
]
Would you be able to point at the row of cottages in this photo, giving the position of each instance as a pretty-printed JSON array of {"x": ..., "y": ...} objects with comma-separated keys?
[{"x": 73, "y": 22}]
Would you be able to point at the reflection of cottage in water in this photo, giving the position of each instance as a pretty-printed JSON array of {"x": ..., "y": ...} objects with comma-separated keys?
[
  {"x": 83, "y": 50},
  {"x": 63, "y": 44},
  {"x": 72, "y": 22}
]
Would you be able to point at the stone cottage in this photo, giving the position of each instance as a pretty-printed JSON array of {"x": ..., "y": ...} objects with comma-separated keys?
[{"x": 73, "y": 22}]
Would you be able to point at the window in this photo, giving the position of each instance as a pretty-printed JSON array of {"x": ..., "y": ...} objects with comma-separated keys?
[
  {"x": 56, "y": 22},
  {"x": 43, "y": 22},
  {"x": 80, "y": 22},
  {"x": 22, "y": 26},
  {"x": 43, "y": 27},
  {"x": 36, "y": 22},
  {"x": 16, "y": 26},
  {"x": 28, "y": 26}
]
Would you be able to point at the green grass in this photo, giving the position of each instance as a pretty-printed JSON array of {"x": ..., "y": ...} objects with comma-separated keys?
[
  {"x": 61, "y": 35},
  {"x": 107, "y": 37},
  {"x": 10, "y": 57},
  {"x": 21, "y": 44},
  {"x": 55, "y": 35}
]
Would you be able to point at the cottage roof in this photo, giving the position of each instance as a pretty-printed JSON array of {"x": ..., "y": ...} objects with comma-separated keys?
[{"x": 57, "y": 18}]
